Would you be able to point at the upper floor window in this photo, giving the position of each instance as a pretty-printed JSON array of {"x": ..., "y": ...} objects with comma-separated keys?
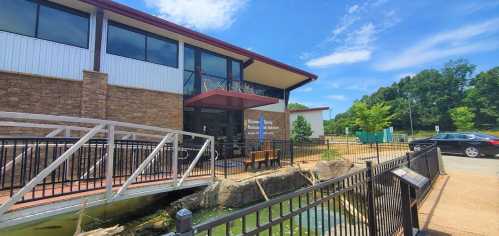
[
  {"x": 45, "y": 21},
  {"x": 213, "y": 65},
  {"x": 136, "y": 44}
]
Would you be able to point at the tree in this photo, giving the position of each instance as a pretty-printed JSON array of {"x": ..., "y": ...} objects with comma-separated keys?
[
  {"x": 296, "y": 106},
  {"x": 371, "y": 119},
  {"x": 301, "y": 130},
  {"x": 463, "y": 118},
  {"x": 483, "y": 98}
]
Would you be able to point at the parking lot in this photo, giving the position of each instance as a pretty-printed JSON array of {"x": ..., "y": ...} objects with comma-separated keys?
[{"x": 466, "y": 200}]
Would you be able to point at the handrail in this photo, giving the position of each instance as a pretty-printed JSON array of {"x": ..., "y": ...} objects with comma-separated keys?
[
  {"x": 194, "y": 162},
  {"x": 142, "y": 166},
  {"x": 91, "y": 127},
  {"x": 29, "y": 116},
  {"x": 45, "y": 172}
]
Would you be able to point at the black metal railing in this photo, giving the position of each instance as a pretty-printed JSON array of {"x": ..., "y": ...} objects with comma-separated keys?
[
  {"x": 209, "y": 83},
  {"x": 366, "y": 202},
  {"x": 234, "y": 158},
  {"x": 21, "y": 159}
]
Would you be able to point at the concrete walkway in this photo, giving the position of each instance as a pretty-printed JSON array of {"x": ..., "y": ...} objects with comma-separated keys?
[{"x": 465, "y": 201}]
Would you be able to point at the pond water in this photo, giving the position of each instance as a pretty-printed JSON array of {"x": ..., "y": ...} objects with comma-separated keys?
[{"x": 133, "y": 213}]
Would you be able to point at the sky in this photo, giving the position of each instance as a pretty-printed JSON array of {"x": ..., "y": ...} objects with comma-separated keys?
[{"x": 355, "y": 47}]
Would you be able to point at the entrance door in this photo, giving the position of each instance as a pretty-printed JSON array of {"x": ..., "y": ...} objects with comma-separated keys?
[{"x": 226, "y": 126}]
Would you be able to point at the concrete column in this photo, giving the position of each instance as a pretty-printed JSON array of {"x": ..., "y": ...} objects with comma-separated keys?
[{"x": 94, "y": 95}]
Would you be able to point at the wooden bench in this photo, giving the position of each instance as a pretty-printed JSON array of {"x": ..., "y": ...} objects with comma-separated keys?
[
  {"x": 256, "y": 157},
  {"x": 274, "y": 156}
]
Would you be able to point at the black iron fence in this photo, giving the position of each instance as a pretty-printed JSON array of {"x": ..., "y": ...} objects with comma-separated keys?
[
  {"x": 366, "y": 202},
  {"x": 238, "y": 157},
  {"x": 21, "y": 159}
]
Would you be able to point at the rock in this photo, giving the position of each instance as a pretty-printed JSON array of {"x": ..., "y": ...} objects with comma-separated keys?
[
  {"x": 111, "y": 231},
  {"x": 239, "y": 194},
  {"x": 325, "y": 170},
  {"x": 232, "y": 194},
  {"x": 157, "y": 223}
]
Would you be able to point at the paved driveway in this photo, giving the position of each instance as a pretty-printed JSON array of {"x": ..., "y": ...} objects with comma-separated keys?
[{"x": 465, "y": 201}]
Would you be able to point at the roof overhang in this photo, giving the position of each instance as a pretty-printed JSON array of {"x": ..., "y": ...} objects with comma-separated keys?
[
  {"x": 228, "y": 100},
  {"x": 309, "y": 110},
  {"x": 263, "y": 70}
]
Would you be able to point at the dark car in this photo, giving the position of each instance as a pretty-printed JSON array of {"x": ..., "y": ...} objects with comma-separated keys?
[{"x": 469, "y": 144}]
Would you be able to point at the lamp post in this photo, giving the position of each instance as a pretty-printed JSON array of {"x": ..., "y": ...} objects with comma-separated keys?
[{"x": 410, "y": 113}]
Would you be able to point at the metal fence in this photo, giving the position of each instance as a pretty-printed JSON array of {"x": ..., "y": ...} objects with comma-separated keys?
[
  {"x": 367, "y": 202},
  {"x": 235, "y": 158}
]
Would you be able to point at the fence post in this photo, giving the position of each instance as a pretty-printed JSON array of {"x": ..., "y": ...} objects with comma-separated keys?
[
  {"x": 327, "y": 142},
  {"x": 110, "y": 163},
  {"x": 224, "y": 151},
  {"x": 371, "y": 210},
  {"x": 377, "y": 151},
  {"x": 408, "y": 157},
  {"x": 291, "y": 150},
  {"x": 183, "y": 223},
  {"x": 175, "y": 159}
]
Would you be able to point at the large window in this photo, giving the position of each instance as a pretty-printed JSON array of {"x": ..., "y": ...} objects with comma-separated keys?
[
  {"x": 136, "y": 44},
  {"x": 189, "y": 72},
  {"x": 45, "y": 21}
]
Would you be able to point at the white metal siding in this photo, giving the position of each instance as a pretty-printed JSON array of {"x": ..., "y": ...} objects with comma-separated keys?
[
  {"x": 278, "y": 107},
  {"x": 314, "y": 118},
  {"x": 128, "y": 72},
  {"x": 25, "y": 54}
]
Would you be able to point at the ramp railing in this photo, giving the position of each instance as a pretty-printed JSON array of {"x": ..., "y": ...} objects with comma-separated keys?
[{"x": 83, "y": 154}]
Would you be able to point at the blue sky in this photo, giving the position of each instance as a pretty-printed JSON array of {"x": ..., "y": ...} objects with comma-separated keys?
[{"x": 354, "y": 46}]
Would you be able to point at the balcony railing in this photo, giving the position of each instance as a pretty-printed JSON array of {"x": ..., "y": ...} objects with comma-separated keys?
[{"x": 209, "y": 83}]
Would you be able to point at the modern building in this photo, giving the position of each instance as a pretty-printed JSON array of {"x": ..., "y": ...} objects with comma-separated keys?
[
  {"x": 101, "y": 59},
  {"x": 313, "y": 116}
]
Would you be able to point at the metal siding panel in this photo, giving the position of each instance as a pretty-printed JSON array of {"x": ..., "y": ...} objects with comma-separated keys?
[
  {"x": 139, "y": 74},
  {"x": 37, "y": 56}
]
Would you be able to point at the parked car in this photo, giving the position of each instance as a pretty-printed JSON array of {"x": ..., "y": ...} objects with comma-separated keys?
[{"x": 470, "y": 144}]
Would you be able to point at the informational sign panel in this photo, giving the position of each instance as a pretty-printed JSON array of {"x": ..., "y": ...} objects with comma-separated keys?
[
  {"x": 347, "y": 131},
  {"x": 437, "y": 128},
  {"x": 410, "y": 177}
]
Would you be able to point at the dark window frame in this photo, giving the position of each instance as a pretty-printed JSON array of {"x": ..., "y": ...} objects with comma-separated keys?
[
  {"x": 61, "y": 8},
  {"x": 146, "y": 35},
  {"x": 229, "y": 71}
]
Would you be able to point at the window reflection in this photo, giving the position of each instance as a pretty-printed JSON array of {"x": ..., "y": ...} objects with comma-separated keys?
[
  {"x": 18, "y": 17},
  {"x": 63, "y": 27},
  {"x": 126, "y": 43}
]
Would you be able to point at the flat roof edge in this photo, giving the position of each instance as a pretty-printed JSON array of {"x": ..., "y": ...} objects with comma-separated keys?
[
  {"x": 309, "y": 109},
  {"x": 161, "y": 23}
]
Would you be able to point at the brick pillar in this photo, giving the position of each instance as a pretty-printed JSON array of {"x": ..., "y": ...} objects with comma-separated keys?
[{"x": 94, "y": 95}]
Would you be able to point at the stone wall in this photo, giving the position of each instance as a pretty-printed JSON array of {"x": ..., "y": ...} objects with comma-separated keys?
[
  {"x": 93, "y": 97},
  {"x": 276, "y": 124}
]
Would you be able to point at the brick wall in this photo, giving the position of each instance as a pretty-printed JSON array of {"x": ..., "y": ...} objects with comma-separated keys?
[
  {"x": 92, "y": 97},
  {"x": 145, "y": 107},
  {"x": 277, "y": 124}
]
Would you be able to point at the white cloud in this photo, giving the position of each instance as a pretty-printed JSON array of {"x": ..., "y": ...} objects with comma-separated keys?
[
  {"x": 199, "y": 14},
  {"x": 353, "y": 38},
  {"x": 306, "y": 89},
  {"x": 342, "y": 57},
  {"x": 353, "y": 9},
  {"x": 460, "y": 41},
  {"x": 337, "y": 97}
]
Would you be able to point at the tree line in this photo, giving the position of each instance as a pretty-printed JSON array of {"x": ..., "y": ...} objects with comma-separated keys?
[{"x": 453, "y": 97}]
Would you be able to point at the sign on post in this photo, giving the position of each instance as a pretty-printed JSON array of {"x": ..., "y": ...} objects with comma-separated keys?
[
  {"x": 437, "y": 128},
  {"x": 347, "y": 131},
  {"x": 410, "y": 177}
]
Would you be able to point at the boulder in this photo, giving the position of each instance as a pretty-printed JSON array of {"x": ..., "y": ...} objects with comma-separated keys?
[{"x": 325, "y": 170}]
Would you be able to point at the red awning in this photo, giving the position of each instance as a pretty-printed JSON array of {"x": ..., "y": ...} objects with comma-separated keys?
[{"x": 231, "y": 100}]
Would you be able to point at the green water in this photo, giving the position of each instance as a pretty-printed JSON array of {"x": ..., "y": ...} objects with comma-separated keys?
[
  {"x": 134, "y": 212},
  {"x": 315, "y": 221}
]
